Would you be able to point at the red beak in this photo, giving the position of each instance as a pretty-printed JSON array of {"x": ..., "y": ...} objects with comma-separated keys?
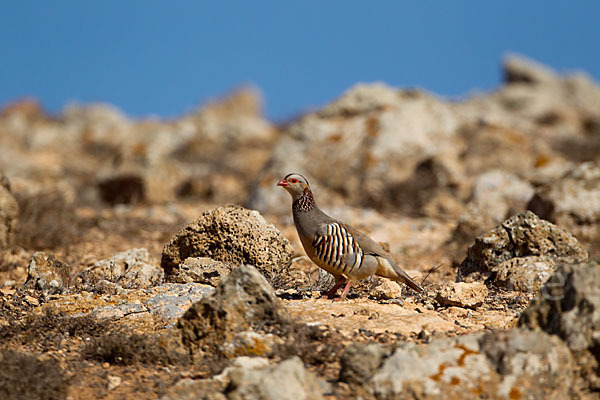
[{"x": 282, "y": 182}]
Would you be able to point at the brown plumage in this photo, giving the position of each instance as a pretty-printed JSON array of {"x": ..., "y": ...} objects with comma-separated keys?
[{"x": 340, "y": 249}]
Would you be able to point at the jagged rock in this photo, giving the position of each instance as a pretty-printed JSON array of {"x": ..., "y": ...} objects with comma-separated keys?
[
  {"x": 243, "y": 302},
  {"x": 360, "y": 361},
  {"x": 462, "y": 294},
  {"x": 573, "y": 201},
  {"x": 569, "y": 307},
  {"x": 131, "y": 269},
  {"x": 521, "y": 235},
  {"x": 358, "y": 148},
  {"x": 509, "y": 364},
  {"x": 9, "y": 213},
  {"x": 47, "y": 273},
  {"x": 233, "y": 235},
  {"x": 286, "y": 380},
  {"x": 201, "y": 270}
]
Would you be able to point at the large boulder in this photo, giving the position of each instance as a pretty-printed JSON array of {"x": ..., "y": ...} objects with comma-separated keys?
[
  {"x": 521, "y": 236},
  {"x": 233, "y": 235}
]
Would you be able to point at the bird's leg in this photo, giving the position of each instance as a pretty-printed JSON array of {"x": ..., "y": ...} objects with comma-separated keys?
[
  {"x": 345, "y": 291},
  {"x": 331, "y": 292}
]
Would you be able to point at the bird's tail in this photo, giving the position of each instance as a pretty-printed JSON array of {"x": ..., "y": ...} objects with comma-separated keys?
[{"x": 407, "y": 280}]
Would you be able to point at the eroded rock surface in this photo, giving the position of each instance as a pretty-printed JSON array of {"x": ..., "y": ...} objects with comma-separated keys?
[
  {"x": 522, "y": 235},
  {"x": 462, "y": 294},
  {"x": 509, "y": 364},
  {"x": 244, "y": 302},
  {"x": 233, "y": 235},
  {"x": 569, "y": 307}
]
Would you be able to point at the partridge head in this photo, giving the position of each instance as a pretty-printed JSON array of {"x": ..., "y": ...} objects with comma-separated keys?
[{"x": 343, "y": 251}]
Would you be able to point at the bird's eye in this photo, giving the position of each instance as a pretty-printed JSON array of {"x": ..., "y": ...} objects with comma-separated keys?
[{"x": 294, "y": 180}]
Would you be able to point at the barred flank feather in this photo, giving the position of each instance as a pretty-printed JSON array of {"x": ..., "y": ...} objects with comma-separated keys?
[{"x": 338, "y": 249}]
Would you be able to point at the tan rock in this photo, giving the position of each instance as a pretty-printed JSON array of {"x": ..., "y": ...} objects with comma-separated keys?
[{"x": 462, "y": 294}]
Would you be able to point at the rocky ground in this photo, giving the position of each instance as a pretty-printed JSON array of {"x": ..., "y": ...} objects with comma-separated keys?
[{"x": 126, "y": 270}]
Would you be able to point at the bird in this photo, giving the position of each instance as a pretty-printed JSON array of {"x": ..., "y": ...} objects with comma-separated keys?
[{"x": 338, "y": 248}]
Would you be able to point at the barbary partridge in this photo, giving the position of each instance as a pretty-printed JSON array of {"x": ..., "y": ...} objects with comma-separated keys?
[{"x": 339, "y": 249}]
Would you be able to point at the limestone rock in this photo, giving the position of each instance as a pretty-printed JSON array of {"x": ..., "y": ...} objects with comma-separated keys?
[
  {"x": 131, "y": 269},
  {"x": 384, "y": 289},
  {"x": 47, "y": 273},
  {"x": 233, "y": 235},
  {"x": 243, "y": 302},
  {"x": 569, "y": 307},
  {"x": 462, "y": 294},
  {"x": 572, "y": 202},
  {"x": 286, "y": 380},
  {"x": 510, "y": 364},
  {"x": 360, "y": 361},
  {"x": 521, "y": 235},
  {"x": 525, "y": 274},
  {"x": 201, "y": 270}
]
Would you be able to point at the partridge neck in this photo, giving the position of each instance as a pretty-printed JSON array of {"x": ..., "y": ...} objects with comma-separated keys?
[{"x": 305, "y": 202}]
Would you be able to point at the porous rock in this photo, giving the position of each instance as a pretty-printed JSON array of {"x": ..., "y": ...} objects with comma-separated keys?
[
  {"x": 131, "y": 269},
  {"x": 509, "y": 364},
  {"x": 287, "y": 380},
  {"x": 243, "y": 302},
  {"x": 47, "y": 273},
  {"x": 522, "y": 235},
  {"x": 569, "y": 307},
  {"x": 233, "y": 235},
  {"x": 462, "y": 294}
]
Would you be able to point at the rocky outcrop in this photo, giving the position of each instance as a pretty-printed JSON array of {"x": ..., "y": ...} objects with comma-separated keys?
[
  {"x": 521, "y": 236},
  {"x": 360, "y": 147},
  {"x": 233, "y": 235}
]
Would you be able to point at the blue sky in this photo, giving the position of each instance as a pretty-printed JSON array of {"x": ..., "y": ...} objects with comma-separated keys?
[{"x": 166, "y": 57}]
